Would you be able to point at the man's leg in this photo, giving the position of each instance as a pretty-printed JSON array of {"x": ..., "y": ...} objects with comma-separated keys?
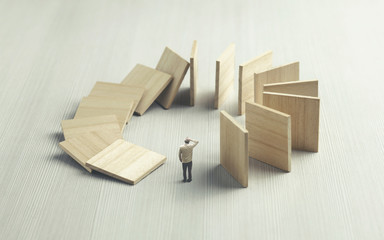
[
  {"x": 189, "y": 171},
  {"x": 185, "y": 165}
]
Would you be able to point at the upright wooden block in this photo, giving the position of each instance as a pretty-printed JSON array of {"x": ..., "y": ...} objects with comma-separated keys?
[
  {"x": 83, "y": 147},
  {"x": 171, "y": 63},
  {"x": 234, "y": 148},
  {"x": 269, "y": 135},
  {"x": 246, "y": 77},
  {"x": 225, "y": 73},
  {"x": 99, "y": 106},
  {"x": 115, "y": 90},
  {"x": 286, "y": 73},
  {"x": 152, "y": 80},
  {"x": 193, "y": 74},
  {"x": 126, "y": 161},
  {"x": 304, "y": 88},
  {"x": 304, "y": 112},
  {"x": 75, "y": 127}
]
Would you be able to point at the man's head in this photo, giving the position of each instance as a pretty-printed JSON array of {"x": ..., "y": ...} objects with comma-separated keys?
[{"x": 187, "y": 140}]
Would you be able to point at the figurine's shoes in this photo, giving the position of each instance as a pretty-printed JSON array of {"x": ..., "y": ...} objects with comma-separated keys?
[{"x": 189, "y": 180}]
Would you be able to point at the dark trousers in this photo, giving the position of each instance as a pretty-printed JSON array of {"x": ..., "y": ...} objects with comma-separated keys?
[{"x": 189, "y": 166}]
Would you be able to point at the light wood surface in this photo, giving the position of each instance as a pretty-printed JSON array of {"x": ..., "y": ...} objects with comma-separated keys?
[
  {"x": 305, "y": 117},
  {"x": 304, "y": 88},
  {"x": 126, "y": 161},
  {"x": 176, "y": 66},
  {"x": 53, "y": 52},
  {"x": 152, "y": 80},
  {"x": 286, "y": 73},
  {"x": 234, "y": 148},
  {"x": 129, "y": 92},
  {"x": 246, "y": 77},
  {"x": 193, "y": 70},
  {"x": 269, "y": 135},
  {"x": 100, "y": 106},
  {"x": 83, "y": 147},
  {"x": 75, "y": 127},
  {"x": 225, "y": 75}
]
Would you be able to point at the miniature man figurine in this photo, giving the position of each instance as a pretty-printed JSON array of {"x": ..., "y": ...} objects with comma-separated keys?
[{"x": 185, "y": 156}]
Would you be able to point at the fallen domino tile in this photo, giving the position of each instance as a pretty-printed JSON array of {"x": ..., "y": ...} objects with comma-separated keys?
[
  {"x": 152, "y": 80},
  {"x": 171, "y": 63},
  {"x": 193, "y": 74},
  {"x": 126, "y": 161},
  {"x": 225, "y": 73},
  {"x": 234, "y": 155},
  {"x": 129, "y": 92},
  {"x": 269, "y": 135},
  {"x": 75, "y": 127},
  {"x": 246, "y": 77},
  {"x": 286, "y": 73},
  {"x": 83, "y": 147},
  {"x": 97, "y": 106}
]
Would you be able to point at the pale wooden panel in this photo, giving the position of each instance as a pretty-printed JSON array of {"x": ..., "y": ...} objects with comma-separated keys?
[
  {"x": 193, "y": 74},
  {"x": 152, "y": 80},
  {"x": 126, "y": 161},
  {"x": 225, "y": 73},
  {"x": 171, "y": 63},
  {"x": 304, "y": 112},
  {"x": 129, "y": 92},
  {"x": 234, "y": 148},
  {"x": 75, "y": 127},
  {"x": 83, "y": 147},
  {"x": 269, "y": 135},
  {"x": 304, "y": 88},
  {"x": 286, "y": 73},
  {"x": 246, "y": 77},
  {"x": 99, "y": 106}
]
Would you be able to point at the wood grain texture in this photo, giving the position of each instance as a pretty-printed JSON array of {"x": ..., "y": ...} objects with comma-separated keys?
[
  {"x": 75, "y": 127},
  {"x": 286, "y": 73},
  {"x": 100, "y": 106},
  {"x": 225, "y": 75},
  {"x": 304, "y": 88},
  {"x": 152, "y": 80},
  {"x": 193, "y": 74},
  {"x": 83, "y": 147},
  {"x": 53, "y": 52},
  {"x": 246, "y": 77},
  {"x": 126, "y": 161},
  {"x": 305, "y": 117},
  {"x": 234, "y": 148},
  {"x": 176, "y": 66},
  {"x": 269, "y": 135},
  {"x": 111, "y": 90}
]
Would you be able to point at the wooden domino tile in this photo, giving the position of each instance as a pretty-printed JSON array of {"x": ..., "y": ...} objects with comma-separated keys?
[
  {"x": 193, "y": 74},
  {"x": 116, "y": 90},
  {"x": 304, "y": 88},
  {"x": 304, "y": 112},
  {"x": 98, "y": 106},
  {"x": 225, "y": 73},
  {"x": 75, "y": 127},
  {"x": 152, "y": 80},
  {"x": 246, "y": 77},
  {"x": 126, "y": 161},
  {"x": 269, "y": 135},
  {"x": 234, "y": 148},
  {"x": 286, "y": 73},
  {"x": 171, "y": 63},
  {"x": 83, "y": 147}
]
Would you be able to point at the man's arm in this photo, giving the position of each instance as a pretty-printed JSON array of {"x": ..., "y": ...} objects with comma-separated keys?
[
  {"x": 194, "y": 142},
  {"x": 180, "y": 155}
]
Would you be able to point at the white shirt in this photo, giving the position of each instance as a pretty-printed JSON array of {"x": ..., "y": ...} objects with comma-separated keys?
[{"x": 185, "y": 152}]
